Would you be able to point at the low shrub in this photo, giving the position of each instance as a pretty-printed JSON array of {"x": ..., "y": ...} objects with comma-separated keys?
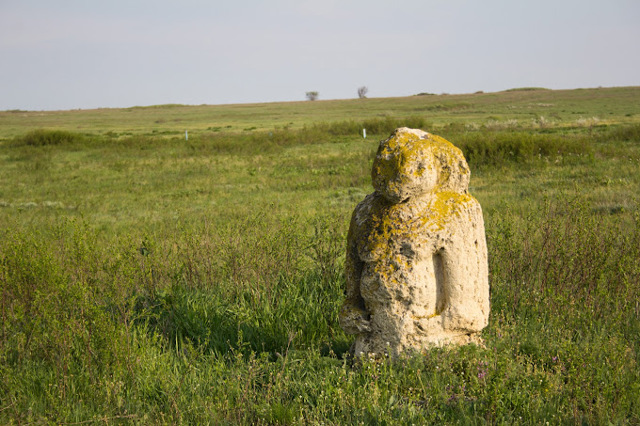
[
  {"x": 382, "y": 126},
  {"x": 44, "y": 137},
  {"x": 495, "y": 148},
  {"x": 627, "y": 133}
]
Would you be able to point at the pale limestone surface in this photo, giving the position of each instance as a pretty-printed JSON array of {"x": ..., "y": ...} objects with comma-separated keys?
[{"x": 416, "y": 267}]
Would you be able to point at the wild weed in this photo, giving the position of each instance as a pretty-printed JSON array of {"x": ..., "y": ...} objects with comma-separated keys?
[{"x": 44, "y": 137}]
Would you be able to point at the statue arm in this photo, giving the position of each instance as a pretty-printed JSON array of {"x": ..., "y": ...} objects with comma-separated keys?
[
  {"x": 354, "y": 318},
  {"x": 466, "y": 275}
]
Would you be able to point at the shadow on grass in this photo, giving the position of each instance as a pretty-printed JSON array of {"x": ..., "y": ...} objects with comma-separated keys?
[{"x": 295, "y": 316}]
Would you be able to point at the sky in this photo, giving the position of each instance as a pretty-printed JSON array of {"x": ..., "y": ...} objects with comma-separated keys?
[{"x": 81, "y": 54}]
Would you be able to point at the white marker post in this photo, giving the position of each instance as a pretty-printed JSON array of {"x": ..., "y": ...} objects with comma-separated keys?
[
  {"x": 186, "y": 135},
  {"x": 364, "y": 133}
]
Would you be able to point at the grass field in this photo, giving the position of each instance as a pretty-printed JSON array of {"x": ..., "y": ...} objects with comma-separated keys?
[{"x": 156, "y": 280}]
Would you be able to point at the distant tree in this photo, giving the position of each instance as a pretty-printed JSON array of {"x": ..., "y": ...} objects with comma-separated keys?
[
  {"x": 312, "y": 96},
  {"x": 362, "y": 92}
]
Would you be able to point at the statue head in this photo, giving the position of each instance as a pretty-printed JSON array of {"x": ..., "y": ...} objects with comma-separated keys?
[{"x": 412, "y": 162}]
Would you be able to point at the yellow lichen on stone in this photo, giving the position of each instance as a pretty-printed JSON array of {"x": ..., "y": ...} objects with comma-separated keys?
[
  {"x": 446, "y": 205},
  {"x": 410, "y": 163},
  {"x": 400, "y": 247}
]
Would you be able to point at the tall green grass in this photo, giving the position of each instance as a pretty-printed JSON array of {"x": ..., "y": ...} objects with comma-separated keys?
[
  {"x": 208, "y": 326},
  {"x": 214, "y": 298}
]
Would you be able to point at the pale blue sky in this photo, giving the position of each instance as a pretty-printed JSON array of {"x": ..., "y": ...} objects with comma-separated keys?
[{"x": 66, "y": 54}]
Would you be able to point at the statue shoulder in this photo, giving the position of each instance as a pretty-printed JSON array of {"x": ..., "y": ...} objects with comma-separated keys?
[{"x": 362, "y": 212}]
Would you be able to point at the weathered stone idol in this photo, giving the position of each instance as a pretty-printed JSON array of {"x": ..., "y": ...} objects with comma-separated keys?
[{"x": 416, "y": 267}]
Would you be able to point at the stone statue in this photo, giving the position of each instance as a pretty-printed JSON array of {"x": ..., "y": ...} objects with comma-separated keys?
[{"x": 416, "y": 267}]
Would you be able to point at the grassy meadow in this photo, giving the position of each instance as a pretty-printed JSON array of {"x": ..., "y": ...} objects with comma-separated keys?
[{"x": 150, "y": 279}]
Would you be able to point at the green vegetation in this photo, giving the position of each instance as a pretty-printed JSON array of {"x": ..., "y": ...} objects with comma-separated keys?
[
  {"x": 41, "y": 137},
  {"x": 150, "y": 279}
]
